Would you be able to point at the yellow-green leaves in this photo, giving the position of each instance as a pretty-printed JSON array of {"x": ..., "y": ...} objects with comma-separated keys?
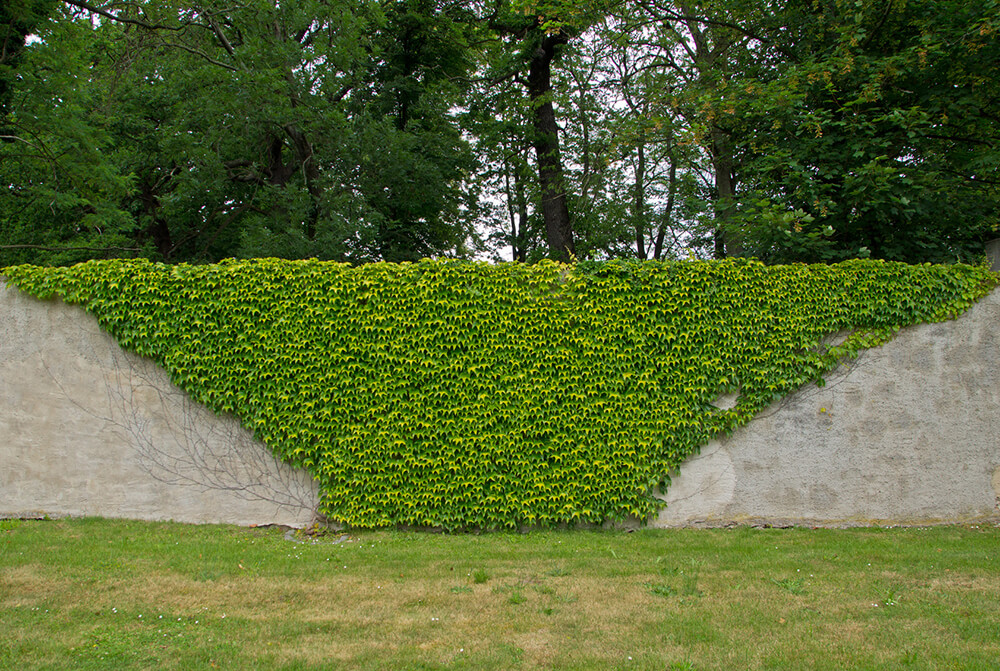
[{"x": 460, "y": 394}]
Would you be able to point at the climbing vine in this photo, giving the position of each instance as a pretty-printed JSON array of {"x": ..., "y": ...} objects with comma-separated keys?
[{"x": 461, "y": 395}]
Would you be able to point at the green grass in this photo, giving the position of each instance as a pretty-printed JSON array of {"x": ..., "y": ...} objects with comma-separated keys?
[{"x": 96, "y": 594}]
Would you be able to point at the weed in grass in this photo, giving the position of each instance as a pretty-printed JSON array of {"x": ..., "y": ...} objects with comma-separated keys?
[
  {"x": 460, "y": 589},
  {"x": 790, "y": 585},
  {"x": 543, "y": 589},
  {"x": 557, "y": 572},
  {"x": 661, "y": 589},
  {"x": 206, "y": 575},
  {"x": 890, "y": 598},
  {"x": 546, "y": 610},
  {"x": 479, "y": 576},
  {"x": 516, "y": 598},
  {"x": 689, "y": 583},
  {"x": 688, "y": 576}
]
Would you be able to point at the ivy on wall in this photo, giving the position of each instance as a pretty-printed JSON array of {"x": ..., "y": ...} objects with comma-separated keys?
[{"x": 460, "y": 395}]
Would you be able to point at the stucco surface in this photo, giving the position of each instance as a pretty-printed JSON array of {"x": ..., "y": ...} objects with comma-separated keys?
[
  {"x": 88, "y": 429},
  {"x": 908, "y": 433}
]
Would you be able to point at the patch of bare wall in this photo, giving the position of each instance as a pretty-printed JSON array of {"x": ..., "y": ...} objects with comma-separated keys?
[
  {"x": 89, "y": 429},
  {"x": 908, "y": 433}
]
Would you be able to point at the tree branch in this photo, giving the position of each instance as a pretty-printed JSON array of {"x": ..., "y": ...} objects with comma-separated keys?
[
  {"x": 959, "y": 138},
  {"x": 201, "y": 54},
  {"x": 80, "y": 4},
  {"x": 183, "y": 25},
  {"x": 15, "y": 138},
  {"x": 221, "y": 36},
  {"x": 73, "y": 249}
]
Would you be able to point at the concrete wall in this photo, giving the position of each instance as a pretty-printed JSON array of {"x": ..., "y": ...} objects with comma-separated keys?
[
  {"x": 908, "y": 433},
  {"x": 88, "y": 429},
  {"x": 993, "y": 254}
]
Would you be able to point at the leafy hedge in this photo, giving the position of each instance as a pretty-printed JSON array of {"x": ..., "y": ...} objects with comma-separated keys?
[{"x": 459, "y": 394}]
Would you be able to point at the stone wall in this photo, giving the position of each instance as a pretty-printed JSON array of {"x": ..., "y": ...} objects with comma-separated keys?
[
  {"x": 909, "y": 433},
  {"x": 89, "y": 429}
]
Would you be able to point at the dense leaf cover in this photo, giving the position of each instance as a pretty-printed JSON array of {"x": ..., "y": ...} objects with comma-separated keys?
[{"x": 467, "y": 395}]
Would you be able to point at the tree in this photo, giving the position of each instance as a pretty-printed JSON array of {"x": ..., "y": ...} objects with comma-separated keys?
[
  {"x": 635, "y": 180},
  {"x": 417, "y": 183},
  {"x": 497, "y": 117},
  {"x": 535, "y": 39},
  {"x": 251, "y": 130},
  {"x": 837, "y": 130},
  {"x": 882, "y": 131},
  {"x": 61, "y": 184},
  {"x": 363, "y": 130}
]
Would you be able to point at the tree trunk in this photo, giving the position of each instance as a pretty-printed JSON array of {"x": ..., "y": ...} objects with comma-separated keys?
[
  {"x": 728, "y": 241},
  {"x": 639, "y": 200},
  {"x": 518, "y": 220},
  {"x": 667, "y": 211},
  {"x": 277, "y": 172},
  {"x": 158, "y": 228},
  {"x": 709, "y": 57},
  {"x": 521, "y": 239},
  {"x": 555, "y": 211},
  {"x": 304, "y": 157}
]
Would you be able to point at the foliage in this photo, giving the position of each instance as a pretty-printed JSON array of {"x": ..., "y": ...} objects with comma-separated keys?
[
  {"x": 60, "y": 180},
  {"x": 258, "y": 129},
  {"x": 361, "y": 130},
  {"x": 18, "y": 20},
  {"x": 415, "y": 181},
  {"x": 458, "y": 394},
  {"x": 713, "y": 121},
  {"x": 876, "y": 123}
]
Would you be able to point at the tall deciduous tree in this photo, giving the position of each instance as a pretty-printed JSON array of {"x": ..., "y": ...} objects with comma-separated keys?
[
  {"x": 536, "y": 36},
  {"x": 842, "y": 129},
  {"x": 634, "y": 176},
  {"x": 882, "y": 128},
  {"x": 418, "y": 182},
  {"x": 254, "y": 129},
  {"x": 365, "y": 129}
]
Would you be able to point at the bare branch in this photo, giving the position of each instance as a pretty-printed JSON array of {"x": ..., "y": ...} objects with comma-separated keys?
[
  {"x": 86, "y": 6},
  {"x": 221, "y": 36},
  {"x": 199, "y": 53},
  {"x": 73, "y": 249},
  {"x": 15, "y": 138}
]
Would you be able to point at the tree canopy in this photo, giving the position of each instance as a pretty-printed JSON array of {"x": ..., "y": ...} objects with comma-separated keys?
[{"x": 363, "y": 130}]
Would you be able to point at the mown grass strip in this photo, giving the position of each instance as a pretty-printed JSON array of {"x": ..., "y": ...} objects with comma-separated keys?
[{"x": 95, "y": 594}]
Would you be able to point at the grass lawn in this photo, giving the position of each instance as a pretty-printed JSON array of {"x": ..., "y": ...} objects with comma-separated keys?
[{"x": 99, "y": 594}]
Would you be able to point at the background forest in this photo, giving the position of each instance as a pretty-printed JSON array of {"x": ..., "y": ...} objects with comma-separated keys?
[{"x": 365, "y": 130}]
